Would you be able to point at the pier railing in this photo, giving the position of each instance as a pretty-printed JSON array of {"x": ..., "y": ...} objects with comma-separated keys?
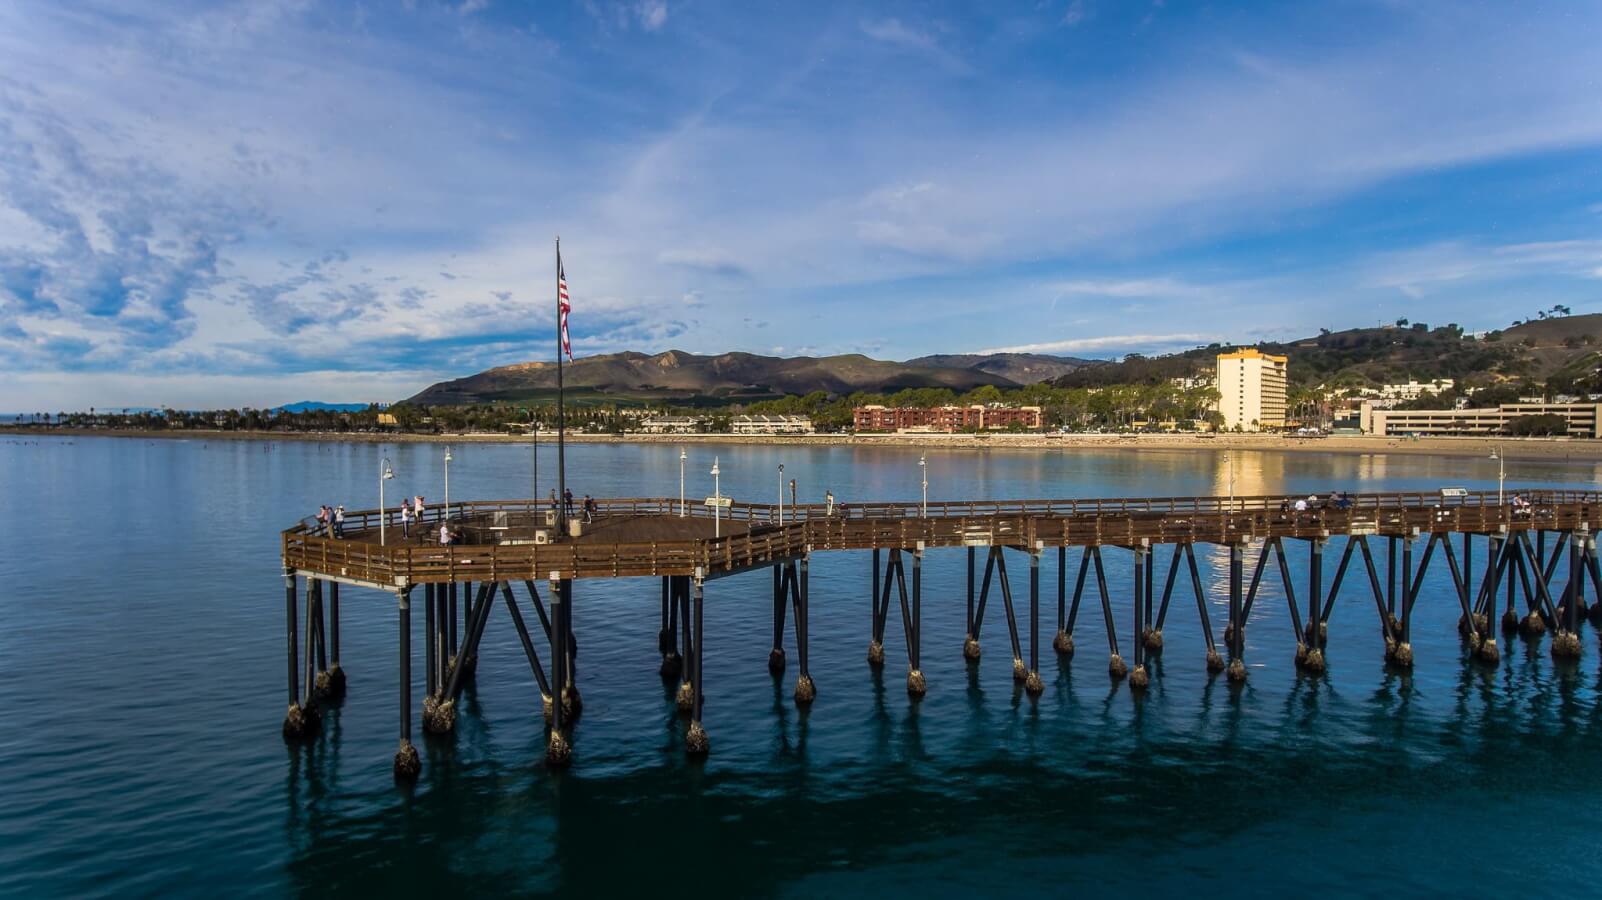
[{"x": 758, "y": 539}]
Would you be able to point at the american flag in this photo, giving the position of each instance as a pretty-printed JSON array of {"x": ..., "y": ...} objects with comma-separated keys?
[{"x": 563, "y": 307}]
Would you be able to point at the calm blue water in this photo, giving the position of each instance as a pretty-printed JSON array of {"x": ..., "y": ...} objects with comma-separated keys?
[{"x": 141, "y": 675}]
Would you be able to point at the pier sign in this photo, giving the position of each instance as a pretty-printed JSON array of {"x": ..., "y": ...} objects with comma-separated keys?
[{"x": 718, "y": 501}]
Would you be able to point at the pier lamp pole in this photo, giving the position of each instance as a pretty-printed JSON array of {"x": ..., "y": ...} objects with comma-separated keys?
[
  {"x": 385, "y": 473},
  {"x": 1231, "y": 458},
  {"x": 717, "y": 499},
  {"x": 448, "y": 483},
  {"x": 923, "y": 471},
  {"x": 682, "y": 458},
  {"x": 1501, "y": 472},
  {"x": 781, "y": 493}
]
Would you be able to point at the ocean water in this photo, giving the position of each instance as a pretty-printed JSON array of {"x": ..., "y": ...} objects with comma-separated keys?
[{"x": 141, "y": 675}]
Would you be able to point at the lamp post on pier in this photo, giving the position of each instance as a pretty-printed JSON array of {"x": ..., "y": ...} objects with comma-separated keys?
[
  {"x": 1501, "y": 471},
  {"x": 385, "y": 473},
  {"x": 447, "y": 482},
  {"x": 682, "y": 458},
  {"x": 717, "y": 499},
  {"x": 923, "y": 471},
  {"x": 781, "y": 493}
]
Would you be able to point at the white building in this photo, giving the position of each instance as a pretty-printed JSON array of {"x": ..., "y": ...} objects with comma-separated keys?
[
  {"x": 671, "y": 425},
  {"x": 771, "y": 425},
  {"x": 1581, "y": 419},
  {"x": 1251, "y": 390},
  {"x": 1412, "y": 390}
]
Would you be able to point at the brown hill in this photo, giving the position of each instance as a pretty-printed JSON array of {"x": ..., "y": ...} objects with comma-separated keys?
[
  {"x": 687, "y": 377},
  {"x": 1021, "y": 368},
  {"x": 1536, "y": 349}
]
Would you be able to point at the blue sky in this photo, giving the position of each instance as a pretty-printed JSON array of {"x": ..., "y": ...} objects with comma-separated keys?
[{"x": 253, "y": 203}]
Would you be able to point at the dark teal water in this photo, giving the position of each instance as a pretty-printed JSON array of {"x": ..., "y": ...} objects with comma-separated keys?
[{"x": 141, "y": 675}]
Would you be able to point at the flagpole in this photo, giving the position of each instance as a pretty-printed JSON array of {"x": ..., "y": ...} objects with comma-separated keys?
[{"x": 561, "y": 405}]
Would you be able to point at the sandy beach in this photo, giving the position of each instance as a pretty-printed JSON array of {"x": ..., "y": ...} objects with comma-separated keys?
[{"x": 1546, "y": 448}]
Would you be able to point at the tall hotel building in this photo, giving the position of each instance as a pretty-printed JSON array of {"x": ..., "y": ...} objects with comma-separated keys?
[{"x": 1251, "y": 390}]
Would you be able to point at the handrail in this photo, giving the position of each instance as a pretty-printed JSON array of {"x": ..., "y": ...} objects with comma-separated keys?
[
  {"x": 1116, "y": 521},
  {"x": 363, "y": 520}
]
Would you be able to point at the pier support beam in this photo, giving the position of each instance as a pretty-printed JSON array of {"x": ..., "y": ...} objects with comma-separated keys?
[
  {"x": 881, "y": 603},
  {"x": 336, "y": 672},
  {"x": 1566, "y": 643},
  {"x": 558, "y": 751},
  {"x": 1236, "y": 671},
  {"x": 546, "y": 706},
  {"x": 450, "y": 637},
  {"x": 916, "y": 685},
  {"x": 1595, "y": 573},
  {"x": 696, "y": 743},
  {"x": 1393, "y": 626},
  {"x": 407, "y": 763},
  {"x": 780, "y": 588},
  {"x": 1539, "y": 600},
  {"x": 1139, "y": 679},
  {"x": 1215, "y": 661},
  {"x": 684, "y": 698},
  {"x": 301, "y": 721},
  {"x": 1497, "y": 564},
  {"x": 1019, "y": 670},
  {"x": 970, "y": 641},
  {"x": 430, "y": 669},
  {"x": 970, "y": 646},
  {"x": 1154, "y": 641},
  {"x": 796, "y": 586},
  {"x": 1400, "y": 651},
  {"x": 1313, "y": 662},
  {"x": 667, "y": 638},
  {"x": 1032, "y": 683},
  {"x": 1063, "y": 641},
  {"x": 1116, "y": 667}
]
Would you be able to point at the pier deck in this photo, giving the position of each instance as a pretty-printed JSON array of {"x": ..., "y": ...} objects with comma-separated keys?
[{"x": 505, "y": 545}]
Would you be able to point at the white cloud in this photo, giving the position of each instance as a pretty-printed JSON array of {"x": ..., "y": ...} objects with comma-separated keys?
[
  {"x": 892, "y": 31},
  {"x": 1125, "y": 342},
  {"x": 652, "y": 14},
  {"x": 1418, "y": 271},
  {"x": 812, "y": 161}
]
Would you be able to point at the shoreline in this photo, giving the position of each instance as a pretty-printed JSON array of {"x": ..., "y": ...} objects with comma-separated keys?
[{"x": 1545, "y": 448}]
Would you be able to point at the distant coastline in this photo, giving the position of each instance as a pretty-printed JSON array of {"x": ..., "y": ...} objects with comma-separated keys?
[{"x": 1543, "y": 448}]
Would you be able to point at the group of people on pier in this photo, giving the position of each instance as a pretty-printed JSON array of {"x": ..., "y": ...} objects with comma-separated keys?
[
  {"x": 590, "y": 508},
  {"x": 331, "y": 520}
]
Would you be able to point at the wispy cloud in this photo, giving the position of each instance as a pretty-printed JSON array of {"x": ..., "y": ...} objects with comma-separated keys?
[
  {"x": 899, "y": 34},
  {"x": 277, "y": 188},
  {"x": 1124, "y": 343}
]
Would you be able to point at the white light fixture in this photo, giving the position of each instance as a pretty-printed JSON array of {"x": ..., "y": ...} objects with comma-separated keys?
[
  {"x": 385, "y": 473},
  {"x": 447, "y": 482},
  {"x": 717, "y": 499}
]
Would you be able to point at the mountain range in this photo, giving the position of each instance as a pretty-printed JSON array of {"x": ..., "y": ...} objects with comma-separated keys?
[
  {"x": 1553, "y": 347},
  {"x": 689, "y": 378}
]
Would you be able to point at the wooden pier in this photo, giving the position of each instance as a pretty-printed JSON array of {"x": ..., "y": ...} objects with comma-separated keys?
[{"x": 502, "y": 546}]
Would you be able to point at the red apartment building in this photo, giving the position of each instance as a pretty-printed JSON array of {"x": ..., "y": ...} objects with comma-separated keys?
[{"x": 944, "y": 418}]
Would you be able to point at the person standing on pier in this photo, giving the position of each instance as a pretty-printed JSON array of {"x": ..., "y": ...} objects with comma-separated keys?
[
  {"x": 339, "y": 521},
  {"x": 322, "y": 519},
  {"x": 406, "y": 521},
  {"x": 567, "y": 501}
]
